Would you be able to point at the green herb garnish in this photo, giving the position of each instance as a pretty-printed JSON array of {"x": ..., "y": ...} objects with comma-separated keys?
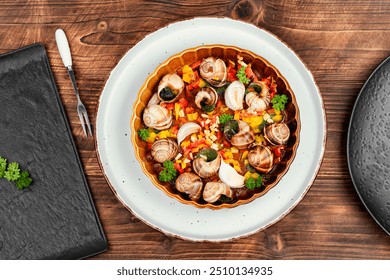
[
  {"x": 224, "y": 118},
  {"x": 143, "y": 133},
  {"x": 3, "y": 166},
  {"x": 252, "y": 183},
  {"x": 279, "y": 101},
  {"x": 12, "y": 173},
  {"x": 241, "y": 75},
  {"x": 24, "y": 180},
  {"x": 168, "y": 173}
]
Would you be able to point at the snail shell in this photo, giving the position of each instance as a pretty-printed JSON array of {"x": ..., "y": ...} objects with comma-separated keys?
[
  {"x": 158, "y": 117},
  {"x": 234, "y": 95},
  {"x": 258, "y": 99},
  {"x": 244, "y": 137},
  {"x": 204, "y": 168},
  {"x": 213, "y": 191},
  {"x": 190, "y": 184},
  {"x": 169, "y": 88},
  {"x": 164, "y": 149},
  {"x": 206, "y": 96},
  {"x": 277, "y": 133},
  {"x": 261, "y": 158},
  {"x": 214, "y": 71}
]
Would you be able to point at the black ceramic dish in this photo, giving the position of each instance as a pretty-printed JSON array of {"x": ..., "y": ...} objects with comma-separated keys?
[
  {"x": 55, "y": 218},
  {"x": 368, "y": 145}
]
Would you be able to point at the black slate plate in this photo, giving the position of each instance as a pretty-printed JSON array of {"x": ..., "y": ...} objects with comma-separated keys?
[
  {"x": 55, "y": 218},
  {"x": 368, "y": 146}
]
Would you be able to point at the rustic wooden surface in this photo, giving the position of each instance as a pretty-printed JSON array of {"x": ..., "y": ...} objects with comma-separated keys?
[{"x": 341, "y": 42}]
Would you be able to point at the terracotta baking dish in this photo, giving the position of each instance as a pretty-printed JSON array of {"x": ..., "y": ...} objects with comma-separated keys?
[{"x": 262, "y": 68}]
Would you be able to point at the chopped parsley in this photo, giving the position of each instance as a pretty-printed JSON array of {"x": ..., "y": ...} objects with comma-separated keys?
[
  {"x": 224, "y": 118},
  {"x": 252, "y": 183},
  {"x": 168, "y": 173},
  {"x": 24, "y": 180},
  {"x": 143, "y": 133},
  {"x": 279, "y": 101},
  {"x": 3, "y": 166},
  {"x": 12, "y": 173},
  {"x": 241, "y": 75}
]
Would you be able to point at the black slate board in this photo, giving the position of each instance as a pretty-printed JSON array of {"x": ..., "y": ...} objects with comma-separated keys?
[
  {"x": 368, "y": 145},
  {"x": 55, "y": 218}
]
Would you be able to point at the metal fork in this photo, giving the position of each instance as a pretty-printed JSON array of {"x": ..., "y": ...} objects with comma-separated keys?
[{"x": 63, "y": 48}]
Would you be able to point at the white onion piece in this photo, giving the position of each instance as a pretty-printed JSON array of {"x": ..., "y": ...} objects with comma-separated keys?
[
  {"x": 230, "y": 177},
  {"x": 234, "y": 95},
  {"x": 187, "y": 129}
]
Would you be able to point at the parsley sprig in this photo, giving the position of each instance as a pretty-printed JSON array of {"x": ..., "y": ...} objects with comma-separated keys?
[
  {"x": 279, "y": 101},
  {"x": 12, "y": 173},
  {"x": 241, "y": 75},
  {"x": 168, "y": 173},
  {"x": 252, "y": 183},
  {"x": 224, "y": 118},
  {"x": 143, "y": 133}
]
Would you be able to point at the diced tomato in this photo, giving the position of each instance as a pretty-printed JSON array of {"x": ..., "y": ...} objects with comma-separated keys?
[
  {"x": 196, "y": 75},
  {"x": 255, "y": 79},
  {"x": 183, "y": 103},
  {"x": 178, "y": 167},
  {"x": 195, "y": 84},
  {"x": 271, "y": 111},
  {"x": 188, "y": 93},
  {"x": 189, "y": 110},
  {"x": 226, "y": 144},
  {"x": 219, "y": 135},
  {"x": 182, "y": 120},
  {"x": 168, "y": 106},
  {"x": 150, "y": 146},
  {"x": 222, "y": 154},
  {"x": 196, "y": 143},
  {"x": 231, "y": 74},
  {"x": 278, "y": 151},
  {"x": 189, "y": 88},
  {"x": 249, "y": 72},
  {"x": 196, "y": 64},
  {"x": 174, "y": 129}
]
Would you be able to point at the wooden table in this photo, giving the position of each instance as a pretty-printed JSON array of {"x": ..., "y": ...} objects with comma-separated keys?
[{"x": 341, "y": 42}]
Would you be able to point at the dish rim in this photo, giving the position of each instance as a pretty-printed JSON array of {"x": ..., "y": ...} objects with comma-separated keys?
[{"x": 139, "y": 101}]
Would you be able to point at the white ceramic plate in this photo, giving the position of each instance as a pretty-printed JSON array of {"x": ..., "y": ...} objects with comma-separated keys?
[{"x": 149, "y": 203}]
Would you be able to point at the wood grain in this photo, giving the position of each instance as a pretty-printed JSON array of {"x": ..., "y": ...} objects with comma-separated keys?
[{"x": 341, "y": 42}]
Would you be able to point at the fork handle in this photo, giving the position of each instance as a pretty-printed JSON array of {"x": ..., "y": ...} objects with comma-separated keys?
[
  {"x": 63, "y": 48},
  {"x": 73, "y": 79}
]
